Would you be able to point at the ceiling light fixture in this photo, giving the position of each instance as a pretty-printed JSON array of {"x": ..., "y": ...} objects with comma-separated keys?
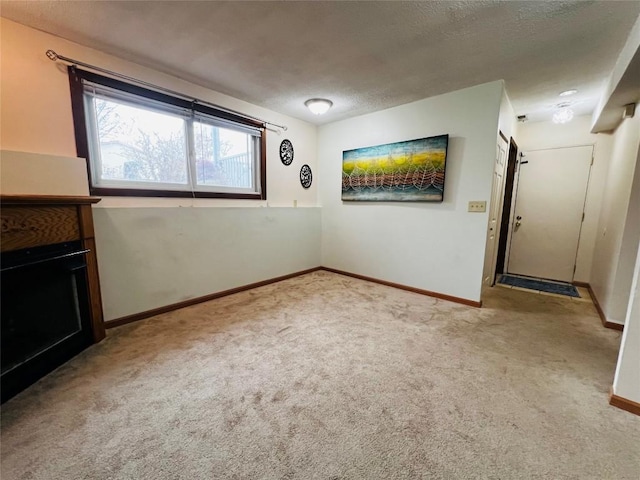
[
  {"x": 318, "y": 106},
  {"x": 568, "y": 93},
  {"x": 563, "y": 114}
]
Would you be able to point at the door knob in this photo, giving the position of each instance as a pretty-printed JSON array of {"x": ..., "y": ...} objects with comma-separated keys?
[{"x": 518, "y": 222}]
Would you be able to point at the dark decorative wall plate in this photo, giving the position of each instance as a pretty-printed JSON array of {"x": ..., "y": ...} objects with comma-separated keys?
[
  {"x": 286, "y": 152},
  {"x": 305, "y": 176}
]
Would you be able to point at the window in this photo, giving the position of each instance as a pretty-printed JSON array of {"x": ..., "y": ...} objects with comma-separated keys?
[{"x": 143, "y": 142}]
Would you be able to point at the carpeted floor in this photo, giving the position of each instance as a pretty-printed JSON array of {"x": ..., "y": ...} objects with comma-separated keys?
[{"x": 327, "y": 377}]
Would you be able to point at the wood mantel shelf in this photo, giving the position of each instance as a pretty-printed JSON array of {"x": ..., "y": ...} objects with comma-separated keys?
[
  {"x": 46, "y": 200},
  {"x": 36, "y": 220}
]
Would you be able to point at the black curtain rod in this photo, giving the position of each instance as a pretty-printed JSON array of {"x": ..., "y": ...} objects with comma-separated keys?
[{"x": 55, "y": 57}]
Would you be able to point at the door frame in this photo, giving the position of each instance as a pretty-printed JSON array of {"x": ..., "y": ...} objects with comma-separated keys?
[
  {"x": 507, "y": 205},
  {"x": 490, "y": 271},
  {"x": 520, "y": 156}
]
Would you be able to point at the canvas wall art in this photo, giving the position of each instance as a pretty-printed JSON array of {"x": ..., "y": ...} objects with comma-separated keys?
[{"x": 410, "y": 171}]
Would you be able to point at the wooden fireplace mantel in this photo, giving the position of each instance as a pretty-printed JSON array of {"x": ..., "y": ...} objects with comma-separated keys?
[
  {"x": 47, "y": 200},
  {"x": 38, "y": 220}
]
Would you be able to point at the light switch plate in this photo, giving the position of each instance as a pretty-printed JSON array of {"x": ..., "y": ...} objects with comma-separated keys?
[{"x": 477, "y": 206}]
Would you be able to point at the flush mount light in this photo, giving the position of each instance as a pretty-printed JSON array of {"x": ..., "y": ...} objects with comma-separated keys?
[
  {"x": 562, "y": 115},
  {"x": 568, "y": 93},
  {"x": 318, "y": 106}
]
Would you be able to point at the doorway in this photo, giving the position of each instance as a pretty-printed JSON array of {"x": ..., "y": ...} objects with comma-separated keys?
[
  {"x": 507, "y": 205},
  {"x": 495, "y": 210},
  {"x": 549, "y": 211}
]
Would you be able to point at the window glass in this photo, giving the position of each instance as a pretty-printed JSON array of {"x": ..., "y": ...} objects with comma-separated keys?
[
  {"x": 223, "y": 156},
  {"x": 138, "y": 144}
]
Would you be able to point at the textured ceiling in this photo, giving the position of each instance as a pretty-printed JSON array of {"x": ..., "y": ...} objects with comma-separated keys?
[{"x": 364, "y": 56}]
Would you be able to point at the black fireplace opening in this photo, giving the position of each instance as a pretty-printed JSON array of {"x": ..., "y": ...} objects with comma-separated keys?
[{"x": 45, "y": 316}]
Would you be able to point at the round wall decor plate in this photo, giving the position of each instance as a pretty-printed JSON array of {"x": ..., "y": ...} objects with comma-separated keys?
[
  {"x": 306, "y": 176},
  {"x": 286, "y": 152}
]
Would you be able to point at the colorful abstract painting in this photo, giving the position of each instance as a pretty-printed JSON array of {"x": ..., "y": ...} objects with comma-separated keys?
[{"x": 411, "y": 171}]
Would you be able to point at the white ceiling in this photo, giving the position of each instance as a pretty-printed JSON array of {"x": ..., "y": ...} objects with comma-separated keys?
[{"x": 364, "y": 56}]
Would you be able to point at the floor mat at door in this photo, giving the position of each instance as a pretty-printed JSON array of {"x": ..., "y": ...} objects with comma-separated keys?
[{"x": 540, "y": 285}]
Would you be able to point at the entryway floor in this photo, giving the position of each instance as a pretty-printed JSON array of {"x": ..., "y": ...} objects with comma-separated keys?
[{"x": 584, "y": 293}]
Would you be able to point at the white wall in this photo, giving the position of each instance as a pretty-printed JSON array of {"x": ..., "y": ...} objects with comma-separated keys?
[
  {"x": 179, "y": 253},
  {"x": 628, "y": 246},
  {"x": 432, "y": 246},
  {"x": 617, "y": 231},
  {"x": 22, "y": 172},
  {"x": 141, "y": 270},
  {"x": 507, "y": 122},
  {"x": 626, "y": 383},
  {"x": 548, "y": 135}
]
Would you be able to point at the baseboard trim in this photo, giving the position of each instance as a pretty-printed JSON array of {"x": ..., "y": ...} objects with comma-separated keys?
[
  {"x": 603, "y": 318},
  {"x": 428, "y": 293},
  {"x": 117, "y": 322},
  {"x": 624, "y": 404},
  {"x": 194, "y": 301}
]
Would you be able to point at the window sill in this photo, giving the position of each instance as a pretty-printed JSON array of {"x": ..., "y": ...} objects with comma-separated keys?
[{"x": 134, "y": 192}]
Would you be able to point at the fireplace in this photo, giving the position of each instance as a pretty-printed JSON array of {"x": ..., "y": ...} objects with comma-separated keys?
[
  {"x": 51, "y": 308},
  {"x": 45, "y": 312}
]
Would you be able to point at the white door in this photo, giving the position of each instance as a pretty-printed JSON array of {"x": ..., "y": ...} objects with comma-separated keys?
[
  {"x": 552, "y": 186},
  {"x": 495, "y": 212}
]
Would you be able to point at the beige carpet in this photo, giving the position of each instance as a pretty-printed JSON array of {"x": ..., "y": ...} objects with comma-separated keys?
[{"x": 328, "y": 377}]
